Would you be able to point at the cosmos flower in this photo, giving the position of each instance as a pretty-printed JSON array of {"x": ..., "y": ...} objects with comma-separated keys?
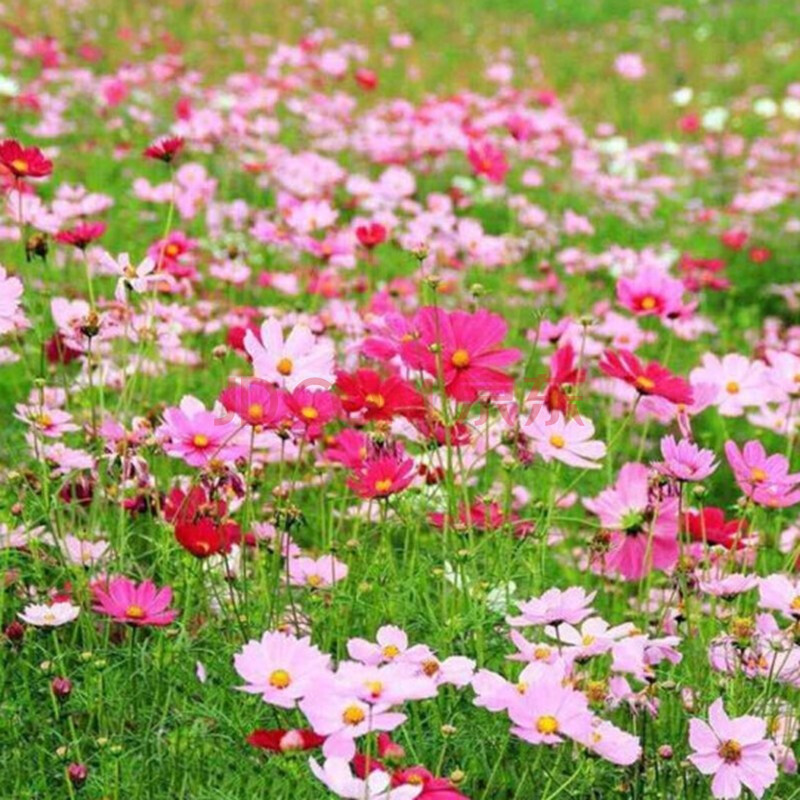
[
  {"x": 567, "y": 440},
  {"x": 50, "y": 616},
  {"x": 134, "y": 604},
  {"x": 652, "y": 379},
  {"x": 316, "y": 573},
  {"x": 735, "y": 751},
  {"x": 684, "y": 460},
  {"x": 166, "y": 149},
  {"x": 764, "y": 479},
  {"x": 24, "y": 162}
]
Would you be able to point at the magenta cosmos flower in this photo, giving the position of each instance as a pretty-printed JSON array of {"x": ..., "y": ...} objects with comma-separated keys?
[
  {"x": 764, "y": 479},
  {"x": 466, "y": 347},
  {"x": 280, "y": 667},
  {"x": 135, "y": 604},
  {"x": 735, "y": 751},
  {"x": 643, "y": 531},
  {"x": 651, "y": 292},
  {"x": 198, "y": 436}
]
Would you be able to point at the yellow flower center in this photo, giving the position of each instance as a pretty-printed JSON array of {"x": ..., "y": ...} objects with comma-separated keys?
[
  {"x": 134, "y": 612},
  {"x": 255, "y": 411},
  {"x": 557, "y": 441},
  {"x": 309, "y": 412},
  {"x": 375, "y": 688},
  {"x": 285, "y": 366},
  {"x": 547, "y": 725},
  {"x": 731, "y": 387},
  {"x": 795, "y": 604},
  {"x": 522, "y": 687},
  {"x": 587, "y": 640},
  {"x": 541, "y": 653},
  {"x": 648, "y": 303},
  {"x": 460, "y": 359},
  {"x": 314, "y": 581},
  {"x": 172, "y": 250},
  {"x": 280, "y": 679},
  {"x": 730, "y": 751},
  {"x": 43, "y": 420},
  {"x": 383, "y": 485},
  {"x": 200, "y": 440},
  {"x": 645, "y": 384},
  {"x": 353, "y": 715},
  {"x": 376, "y": 400},
  {"x": 19, "y": 165},
  {"x": 757, "y": 475},
  {"x": 391, "y": 651}
]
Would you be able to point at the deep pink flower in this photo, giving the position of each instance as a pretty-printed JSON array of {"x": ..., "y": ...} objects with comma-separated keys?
[
  {"x": 135, "y": 604},
  {"x": 466, "y": 348},
  {"x": 489, "y": 160},
  {"x": 685, "y": 461},
  {"x": 651, "y": 292},
  {"x": 766, "y": 480}
]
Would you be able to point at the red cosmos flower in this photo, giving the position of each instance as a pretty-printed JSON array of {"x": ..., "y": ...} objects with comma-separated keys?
[
  {"x": 256, "y": 403},
  {"x": 366, "y": 393},
  {"x": 200, "y": 524},
  {"x": 371, "y": 234},
  {"x": 650, "y": 380},
  {"x": 280, "y": 740},
  {"x": 58, "y": 351},
  {"x": 703, "y": 273},
  {"x": 366, "y": 78},
  {"x": 760, "y": 255},
  {"x": 466, "y": 347},
  {"x": 24, "y": 162},
  {"x": 166, "y": 149},
  {"x": 563, "y": 372},
  {"x": 484, "y": 515},
  {"x": 310, "y": 410},
  {"x": 82, "y": 235},
  {"x": 489, "y": 160},
  {"x": 734, "y": 239},
  {"x": 385, "y": 473},
  {"x": 709, "y": 525}
]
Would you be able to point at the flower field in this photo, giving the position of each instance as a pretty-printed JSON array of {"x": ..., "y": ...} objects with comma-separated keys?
[{"x": 399, "y": 401}]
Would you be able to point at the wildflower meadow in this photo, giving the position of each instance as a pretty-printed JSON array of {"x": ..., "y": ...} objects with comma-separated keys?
[{"x": 399, "y": 400}]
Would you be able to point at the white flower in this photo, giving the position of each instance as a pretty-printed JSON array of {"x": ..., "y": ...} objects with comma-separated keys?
[
  {"x": 336, "y": 774},
  {"x": 715, "y": 118},
  {"x": 41, "y": 615},
  {"x": 791, "y": 108},
  {"x": 765, "y": 107},
  {"x": 683, "y": 96}
]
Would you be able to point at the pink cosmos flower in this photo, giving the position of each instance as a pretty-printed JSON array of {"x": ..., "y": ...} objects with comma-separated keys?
[
  {"x": 468, "y": 351},
  {"x": 281, "y": 668},
  {"x": 197, "y": 435},
  {"x": 135, "y": 604},
  {"x": 764, "y": 479},
  {"x": 780, "y": 593},
  {"x": 685, "y": 461},
  {"x": 566, "y": 440},
  {"x": 10, "y": 296},
  {"x": 391, "y": 684},
  {"x": 316, "y": 573},
  {"x": 651, "y": 291},
  {"x": 342, "y": 716},
  {"x": 594, "y": 637},
  {"x": 300, "y": 359},
  {"x": 611, "y": 743},
  {"x": 735, "y": 751},
  {"x": 555, "y": 607},
  {"x": 383, "y": 474},
  {"x": 740, "y": 382},
  {"x": 644, "y": 532},
  {"x": 45, "y": 421},
  {"x": 83, "y": 552},
  {"x": 729, "y": 586},
  {"x": 489, "y": 160},
  {"x": 630, "y": 66},
  {"x": 390, "y": 643},
  {"x": 549, "y": 712}
]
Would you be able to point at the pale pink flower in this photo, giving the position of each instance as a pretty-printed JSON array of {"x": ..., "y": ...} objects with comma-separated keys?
[
  {"x": 555, "y": 607},
  {"x": 391, "y": 643},
  {"x": 780, "y": 593},
  {"x": 316, "y": 573},
  {"x": 612, "y": 743},
  {"x": 300, "y": 359},
  {"x": 566, "y": 440},
  {"x": 281, "y": 668},
  {"x": 549, "y": 712},
  {"x": 83, "y": 552},
  {"x": 10, "y": 296},
  {"x": 630, "y": 66},
  {"x": 740, "y": 382},
  {"x": 337, "y": 775},
  {"x": 735, "y": 751}
]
